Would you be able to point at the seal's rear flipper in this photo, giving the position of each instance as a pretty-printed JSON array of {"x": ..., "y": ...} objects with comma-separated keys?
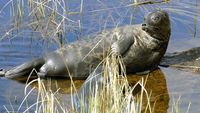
[{"x": 24, "y": 70}]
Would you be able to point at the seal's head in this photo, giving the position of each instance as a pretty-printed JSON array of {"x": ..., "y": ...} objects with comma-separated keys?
[{"x": 157, "y": 24}]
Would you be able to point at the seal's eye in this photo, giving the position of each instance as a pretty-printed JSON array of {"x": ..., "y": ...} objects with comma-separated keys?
[{"x": 155, "y": 19}]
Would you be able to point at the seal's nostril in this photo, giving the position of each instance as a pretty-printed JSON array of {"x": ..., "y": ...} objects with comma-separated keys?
[{"x": 144, "y": 24}]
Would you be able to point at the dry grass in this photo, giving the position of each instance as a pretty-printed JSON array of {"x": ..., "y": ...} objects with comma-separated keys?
[
  {"x": 113, "y": 96},
  {"x": 53, "y": 19},
  {"x": 56, "y": 20}
]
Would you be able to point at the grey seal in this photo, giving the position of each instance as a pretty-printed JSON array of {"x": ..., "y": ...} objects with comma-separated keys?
[{"x": 141, "y": 47}]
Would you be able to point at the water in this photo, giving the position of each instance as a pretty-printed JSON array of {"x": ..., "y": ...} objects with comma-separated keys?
[{"x": 167, "y": 85}]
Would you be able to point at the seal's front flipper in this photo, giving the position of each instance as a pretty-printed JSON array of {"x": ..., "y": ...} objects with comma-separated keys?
[
  {"x": 122, "y": 45},
  {"x": 24, "y": 70}
]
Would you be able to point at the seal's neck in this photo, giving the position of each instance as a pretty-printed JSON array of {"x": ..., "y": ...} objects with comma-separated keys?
[{"x": 162, "y": 36}]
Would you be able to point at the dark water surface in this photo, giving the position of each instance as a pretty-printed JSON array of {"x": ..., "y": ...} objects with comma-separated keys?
[{"x": 167, "y": 84}]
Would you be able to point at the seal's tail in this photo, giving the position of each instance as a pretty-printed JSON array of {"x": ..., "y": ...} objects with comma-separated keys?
[{"x": 23, "y": 70}]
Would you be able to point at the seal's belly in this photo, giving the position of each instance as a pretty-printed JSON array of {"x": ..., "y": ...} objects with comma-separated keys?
[
  {"x": 77, "y": 62},
  {"x": 141, "y": 57}
]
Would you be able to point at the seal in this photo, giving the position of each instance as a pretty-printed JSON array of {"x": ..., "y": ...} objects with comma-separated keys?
[{"x": 141, "y": 47}]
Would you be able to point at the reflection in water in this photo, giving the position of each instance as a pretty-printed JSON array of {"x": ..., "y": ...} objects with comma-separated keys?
[
  {"x": 157, "y": 88},
  {"x": 155, "y": 85},
  {"x": 63, "y": 86}
]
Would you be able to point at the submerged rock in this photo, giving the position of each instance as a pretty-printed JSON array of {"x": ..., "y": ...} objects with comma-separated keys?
[{"x": 188, "y": 60}]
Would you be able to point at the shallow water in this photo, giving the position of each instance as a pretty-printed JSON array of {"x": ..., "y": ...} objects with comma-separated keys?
[{"x": 166, "y": 85}]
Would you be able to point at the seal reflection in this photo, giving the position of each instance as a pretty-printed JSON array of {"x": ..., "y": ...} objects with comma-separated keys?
[{"x": 155, "y": 85}]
